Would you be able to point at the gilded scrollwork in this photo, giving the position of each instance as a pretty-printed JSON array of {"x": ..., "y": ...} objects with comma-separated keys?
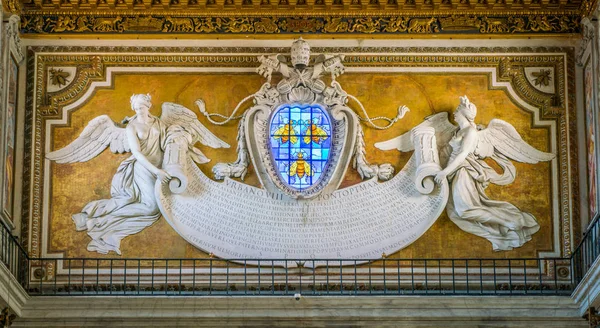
[
  {"x": 335, "y": 25},
  {"x": 514, "y": 71},
  {"x": 238, "y": 25},
  {"x": 12, "y": 6},
  {"x": 540, "y": 24},
  {"x": 423, "y": 25},
  {"x": 178, "y": 25},
  {"x": 347, "y": 24},
  {"x": 266, "y": 25},
  {"x": 460, "y": 23},
  {"x": 396, "y": 24},
  {"x": 107, "y": 24},
  {"x": 207, "y": 25},
  {"x": 494, "y": 26}
]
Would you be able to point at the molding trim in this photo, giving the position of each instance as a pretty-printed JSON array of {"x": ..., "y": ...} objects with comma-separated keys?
[
  {"x": 11, "y": 292},
  {"x": 587, "y": 293},
  {"x": 397, "y": 311}
]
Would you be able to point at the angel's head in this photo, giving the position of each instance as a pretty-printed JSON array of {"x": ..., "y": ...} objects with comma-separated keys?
[
  {"x": 466, "y": 109},
  {"x": 141, "y": 102}
]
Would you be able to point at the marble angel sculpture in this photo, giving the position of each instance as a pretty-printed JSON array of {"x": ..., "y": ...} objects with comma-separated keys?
[
  {"x": 463, "y": 149},
  {"x": 132, "y": 206}
]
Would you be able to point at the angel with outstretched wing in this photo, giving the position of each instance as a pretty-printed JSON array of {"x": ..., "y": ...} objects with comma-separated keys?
[
  {"x": 132, "y": 206},
  {"x": 462, "y": 150}
]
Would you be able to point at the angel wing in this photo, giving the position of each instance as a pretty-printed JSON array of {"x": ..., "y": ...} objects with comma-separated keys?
[
  {"x": 175, "y": 114},
  {"x": 100, "y": 133},
  {"x": 502, "y": 137},
  {"x": 443, "y": 133}
]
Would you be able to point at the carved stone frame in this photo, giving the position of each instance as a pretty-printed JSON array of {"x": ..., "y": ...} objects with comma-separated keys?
[
  {"x": 506, "y": 69},
  {"x": 343, "y": 136},
  {"x": 269, "y": 165}
]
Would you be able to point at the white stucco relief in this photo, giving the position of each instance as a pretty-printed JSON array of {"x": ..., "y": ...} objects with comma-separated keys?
[
  {"x": 463, "y": 149},
  {"x": 233, "y": 220},
  {"x": 155, "y": 143},
  {"x": 301, "y": 86}
]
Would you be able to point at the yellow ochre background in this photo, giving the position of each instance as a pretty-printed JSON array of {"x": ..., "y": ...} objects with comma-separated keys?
[{"x": 74, "y": 185}]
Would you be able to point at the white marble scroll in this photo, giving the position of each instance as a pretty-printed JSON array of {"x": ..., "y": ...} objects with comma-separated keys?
[{"x": 235, "y": 221}]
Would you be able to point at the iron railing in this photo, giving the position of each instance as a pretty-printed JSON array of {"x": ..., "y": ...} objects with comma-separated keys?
[
  {"x": 14, "y": 256},
  {"x": 278, "y": 277},
  {"x": 586, "y": 252}
]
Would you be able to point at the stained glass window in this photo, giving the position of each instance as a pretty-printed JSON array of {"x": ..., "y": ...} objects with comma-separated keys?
[{"x": 300, "y": 141}]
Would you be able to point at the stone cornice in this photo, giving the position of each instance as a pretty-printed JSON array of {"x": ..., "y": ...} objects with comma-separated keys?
[
  {"x": 399, "y": 311},
  {"x": 587, "y": 293},
  {"x": 11, "y": 292}
]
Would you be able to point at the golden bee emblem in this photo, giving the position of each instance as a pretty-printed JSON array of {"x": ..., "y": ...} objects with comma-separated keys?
[
  {"x": 59, "y": 77},
  {"x": 286, "y": 133},
  {"x": 300, "y": 168},
  {"x": 315, "y": 133}
]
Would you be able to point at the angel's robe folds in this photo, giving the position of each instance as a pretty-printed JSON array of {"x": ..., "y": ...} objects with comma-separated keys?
[
  {"x": 502, "y": 223},
  {"x": 132, "y": 206}
]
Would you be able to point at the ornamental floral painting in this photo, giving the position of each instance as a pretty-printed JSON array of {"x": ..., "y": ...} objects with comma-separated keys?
[
  {"x": 9, "y": 137},
  {"x": 591, "y": 142}
]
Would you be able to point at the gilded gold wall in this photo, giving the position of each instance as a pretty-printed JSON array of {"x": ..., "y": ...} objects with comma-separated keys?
[{"x": 74, "y": 185}]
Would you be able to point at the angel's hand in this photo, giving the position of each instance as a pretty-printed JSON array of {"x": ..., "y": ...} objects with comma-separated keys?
[
  {"x": 440, "y": 176},
  {"x": 163, "y": 176}
]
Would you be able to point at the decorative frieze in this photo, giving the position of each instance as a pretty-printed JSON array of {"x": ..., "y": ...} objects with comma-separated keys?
[{"x": 191, "y": 23}]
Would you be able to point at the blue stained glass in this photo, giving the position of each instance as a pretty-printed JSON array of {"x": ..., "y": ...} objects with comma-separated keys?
[
  {"x": 283, "y": 153},
  {"x": 300, "y": 140}
]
